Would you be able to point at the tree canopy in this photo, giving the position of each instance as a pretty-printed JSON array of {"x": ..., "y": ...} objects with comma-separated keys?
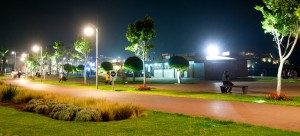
[
  {"x": 134, "y": 64},
  {"x": 179, "y": 62},
  {"x": 68, "y": 68},
  {"x": 106, "y": 66},
  {"x": 80, "y": 68}
]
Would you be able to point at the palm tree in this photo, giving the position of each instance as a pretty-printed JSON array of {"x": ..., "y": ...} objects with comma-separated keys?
[{"x": 3, "y": 55}]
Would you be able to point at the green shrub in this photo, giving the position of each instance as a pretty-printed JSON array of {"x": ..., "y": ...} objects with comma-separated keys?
[
  {"x": 42, "y": 109},
  {"x": 40, "y": 106},
  {"x": 88, "y": 114},
  {"x": 32, "y": 104},
  {"x": 8, "y": 93},
  {"x": 65, "y": 112}
]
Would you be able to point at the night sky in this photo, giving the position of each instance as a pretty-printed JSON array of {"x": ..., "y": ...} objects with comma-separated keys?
[{"x": 182, "y": 26}]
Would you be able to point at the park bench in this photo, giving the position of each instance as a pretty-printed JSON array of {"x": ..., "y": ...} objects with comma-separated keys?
[{"x": 244, "y": 88}]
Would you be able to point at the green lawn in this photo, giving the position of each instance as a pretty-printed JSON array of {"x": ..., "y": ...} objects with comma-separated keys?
[{"x": 13, "y": 122}]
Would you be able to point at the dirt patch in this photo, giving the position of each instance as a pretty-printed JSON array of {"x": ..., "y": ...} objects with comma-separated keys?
[{"x": 19, "y": 107}]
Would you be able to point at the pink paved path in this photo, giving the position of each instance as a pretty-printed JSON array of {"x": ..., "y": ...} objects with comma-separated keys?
[{"x": 282, "y": 117}]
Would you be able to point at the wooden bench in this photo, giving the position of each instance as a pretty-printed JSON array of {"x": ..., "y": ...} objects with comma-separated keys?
[{"x": 244, "y": 88}]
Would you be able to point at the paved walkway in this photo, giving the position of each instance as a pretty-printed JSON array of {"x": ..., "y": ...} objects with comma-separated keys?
[{"x": 282, "y": 117}]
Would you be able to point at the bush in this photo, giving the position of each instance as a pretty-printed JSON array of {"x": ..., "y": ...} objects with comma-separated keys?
[
  {"x": 275, "y": 96},
  {"x": 65, "y": 112},
  {"x": 8, "y": 93},
  {"x": 32, "y": 104},
  {"x": 88, "y": 114}
]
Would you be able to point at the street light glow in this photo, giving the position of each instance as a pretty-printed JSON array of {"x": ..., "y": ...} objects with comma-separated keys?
[
  {"x": 88, "y": 31},
  {"x": 212, "y": 50},
  {"x": 24, "y": 55},
  {"x": 36, "y": 48}
]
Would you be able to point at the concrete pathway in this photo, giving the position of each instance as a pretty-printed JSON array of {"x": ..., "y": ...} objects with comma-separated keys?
[{"x": 282, "y": 117}]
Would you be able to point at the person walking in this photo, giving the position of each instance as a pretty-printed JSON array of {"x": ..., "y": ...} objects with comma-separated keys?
[
  {"x": 107, "y": 78},
  {"x": 62, "y": 77},
  {"x": 123, "y": 77}
]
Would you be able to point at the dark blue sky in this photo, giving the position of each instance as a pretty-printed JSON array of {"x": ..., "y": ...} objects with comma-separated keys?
[{"x": 182, "y": 26}]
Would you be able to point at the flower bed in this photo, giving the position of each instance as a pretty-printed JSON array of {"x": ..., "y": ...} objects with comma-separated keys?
[
  {"x": 142, "y": 88},
  {"x": 275, "y": 96}
]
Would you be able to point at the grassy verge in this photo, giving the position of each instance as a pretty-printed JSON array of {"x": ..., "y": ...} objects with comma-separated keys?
[{"x": 14, "y": 122}]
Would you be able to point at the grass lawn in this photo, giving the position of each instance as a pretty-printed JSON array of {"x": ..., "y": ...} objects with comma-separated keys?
[{"x": 14, "y": 122}]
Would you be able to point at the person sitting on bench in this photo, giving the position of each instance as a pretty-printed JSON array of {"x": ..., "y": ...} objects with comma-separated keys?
[{"x": 227, "y": 82}]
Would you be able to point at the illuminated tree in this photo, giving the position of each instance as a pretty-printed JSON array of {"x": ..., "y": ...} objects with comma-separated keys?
[
  {"x": 179, "y": 63},
  {"x": 134, "y": 64},
  {"x": 106, "y": 66},
  {"x": 281, "y": 19},
  {"x": 58, "y": 53},
  {"x": 84, "y": 48},
  {"x": 80, "y": 68},
  {"x": 3, "y": 55},
  {"x": 32, "y": 62},
  {"x": 140, "y": 34},
  {"x": 68, "y": 68}
]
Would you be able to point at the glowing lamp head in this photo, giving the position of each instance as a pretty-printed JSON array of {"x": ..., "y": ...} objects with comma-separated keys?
[
  {"x": 36, "y": 48},
  {"x": 13, "y": 52},
  {"x": 212, "y": 50},
  {"x": 88, "y": 31},
  {"x": 24, "y": 55}
]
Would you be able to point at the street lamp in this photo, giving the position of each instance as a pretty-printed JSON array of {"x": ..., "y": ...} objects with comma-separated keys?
[
  {"x": 36, "y": 48},
  {"x": 89, "y": 31},
  {"x": 15, "y": 53}
]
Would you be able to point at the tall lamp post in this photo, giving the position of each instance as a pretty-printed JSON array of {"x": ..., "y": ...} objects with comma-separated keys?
[
  {"x": 89, "y": 31},
  {"x": 15, "y": 65},
  {"x": 36, "y": 48}
]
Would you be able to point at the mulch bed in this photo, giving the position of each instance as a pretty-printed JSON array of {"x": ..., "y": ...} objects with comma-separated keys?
[{"x": 19, "y": 107}]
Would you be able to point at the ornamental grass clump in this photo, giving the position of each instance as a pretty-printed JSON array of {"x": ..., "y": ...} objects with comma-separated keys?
[
  {"x": 8, "y": 93},
  {"x": 275, "y": 96},
  {"x": 126, "y": 111}
]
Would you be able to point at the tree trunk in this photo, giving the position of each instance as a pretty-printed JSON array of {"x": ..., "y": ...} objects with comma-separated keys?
[
  {"x": 3, "y": 66},
  {"x": 144, "y": 69},
  {"x": 283, "y": 58},
  {"x": 279, "y": 74},
  {"x": 179, "y": 77},
  {"x": 84, "y": 73},
  {"x": 133, "y": 76}
]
